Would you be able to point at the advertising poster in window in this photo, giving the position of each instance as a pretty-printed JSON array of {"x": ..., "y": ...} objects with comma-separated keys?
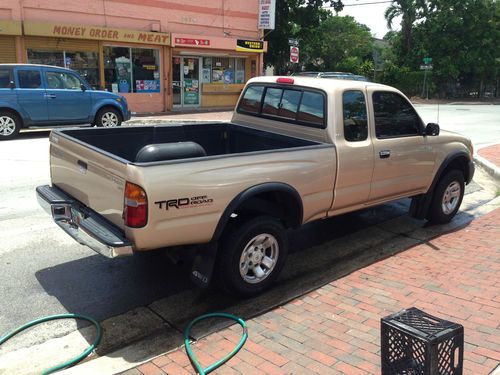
[
  {"x": 147, "y": 85},
  {"x": 228, "y": 76},
  {"x": 123, "y": 75},
  {"x": 191, "y": 91},
  {"x": 205, "y": 75}
]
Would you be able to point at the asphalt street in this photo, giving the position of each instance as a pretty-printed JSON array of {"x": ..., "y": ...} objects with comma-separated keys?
[
  {"x": 478, "y": 122},
  {"x": 45, "y": 272}
]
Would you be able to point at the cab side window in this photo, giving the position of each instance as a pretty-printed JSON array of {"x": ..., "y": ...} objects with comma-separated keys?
[
  {"x": 355, "y": 118},
  {"x": 394, "y": 116},
  {"x": 29, "y": 79}
]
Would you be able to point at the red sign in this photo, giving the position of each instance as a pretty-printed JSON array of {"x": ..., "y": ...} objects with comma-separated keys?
[
  {"x": 192, "y": 42},
  {"x": 294, "y": 54}
]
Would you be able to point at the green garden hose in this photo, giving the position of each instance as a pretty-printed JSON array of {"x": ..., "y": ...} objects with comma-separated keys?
[
  {"x": 192, "y": 357},
  {"x": 73, "y": 361}
]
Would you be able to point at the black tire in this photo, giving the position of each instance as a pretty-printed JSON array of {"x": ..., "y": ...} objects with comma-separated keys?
[
  {"x": 10, "y": 125},
  {"x": 108, "y": 117},
  {"x": 452, "y": 180},
  {"x": 233, "y": 246}
]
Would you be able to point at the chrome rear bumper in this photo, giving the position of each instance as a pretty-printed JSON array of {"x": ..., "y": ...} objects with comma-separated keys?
[{"x": 83, "y": 224}]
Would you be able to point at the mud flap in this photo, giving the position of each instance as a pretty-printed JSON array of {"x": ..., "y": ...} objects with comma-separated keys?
[
  {"x": 419, "y": 207},
  {"x": 203, "y": 265}
]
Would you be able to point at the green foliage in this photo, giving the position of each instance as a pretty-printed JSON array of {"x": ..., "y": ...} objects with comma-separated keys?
[
  {"x": 339, "y": 44},
  {"x": 327, "y": 42},
  {"x": 460, "y": 36}
]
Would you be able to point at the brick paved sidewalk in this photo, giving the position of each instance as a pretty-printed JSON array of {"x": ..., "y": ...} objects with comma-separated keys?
[{"x": 336, "y": 329}]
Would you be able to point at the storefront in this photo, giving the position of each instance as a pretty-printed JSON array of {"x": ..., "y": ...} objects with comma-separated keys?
[
  {"x": 211, "y": 72},
  {"x": 9, "y": 32},
  {"x": 128, "y": 62}
]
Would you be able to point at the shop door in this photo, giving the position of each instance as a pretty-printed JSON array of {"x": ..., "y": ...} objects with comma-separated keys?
[{"x": 186, "y": 82}]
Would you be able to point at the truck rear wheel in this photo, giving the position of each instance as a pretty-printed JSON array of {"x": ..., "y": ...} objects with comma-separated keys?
[
  {"x": 252, "y": 257},
  {"x": 448, "y": 196}
]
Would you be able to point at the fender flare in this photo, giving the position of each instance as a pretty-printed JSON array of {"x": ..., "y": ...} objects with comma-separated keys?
[
  {"x": 253, "y": 191},
  {"x": 420, "y": 204}
]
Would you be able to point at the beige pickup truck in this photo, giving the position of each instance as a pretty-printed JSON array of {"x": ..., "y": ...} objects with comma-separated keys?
[{"x": 297, "y": 149}]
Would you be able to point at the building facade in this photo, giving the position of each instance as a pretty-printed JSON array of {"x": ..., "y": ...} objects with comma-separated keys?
[{"x": 160, "y": 54}]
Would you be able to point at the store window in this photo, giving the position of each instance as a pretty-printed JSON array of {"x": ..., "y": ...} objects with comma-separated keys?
[
  {"x": 131, "y": 70},
  {"x": 86, "y": 64},
  {"x": 225, "y": 70}
]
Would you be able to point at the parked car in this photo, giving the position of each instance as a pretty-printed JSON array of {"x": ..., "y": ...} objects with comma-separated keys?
[
  {"x": 337, "y": 75},
  {"x": 41, "y": 95},
  {"x": 297, "y": 149}
]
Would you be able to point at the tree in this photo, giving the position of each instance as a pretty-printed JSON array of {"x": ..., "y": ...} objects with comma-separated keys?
[
  {"x": 462, "y": 38},
  {"x": 340, "y": 44},
  {"x": 294, "y": 19},
  {"x": 407, "y": 9}
]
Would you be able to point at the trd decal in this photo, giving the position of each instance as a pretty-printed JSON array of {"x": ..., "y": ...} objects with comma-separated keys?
[{"x": 184, "y": 202}]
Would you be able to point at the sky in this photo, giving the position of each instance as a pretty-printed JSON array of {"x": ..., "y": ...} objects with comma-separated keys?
[{"x": 372, "y": 15}]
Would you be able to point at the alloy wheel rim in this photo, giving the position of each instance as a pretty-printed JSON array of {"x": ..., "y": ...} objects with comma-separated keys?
[
  {"x": 109, "y": 119},
  {"x": 7, "y": 126},
  {"x": 259, "y": 257},
  {"x": 451, "y": 197}
]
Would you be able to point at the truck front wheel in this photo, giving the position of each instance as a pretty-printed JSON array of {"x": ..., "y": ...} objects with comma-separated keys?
[
  {"x": 447, "y": 198},
  {"x": 252, "y": 257}
]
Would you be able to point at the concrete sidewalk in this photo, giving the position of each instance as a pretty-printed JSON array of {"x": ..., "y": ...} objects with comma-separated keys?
[
  {"x": 187, "y": 116},
  {"x": 336, "y": 329}
]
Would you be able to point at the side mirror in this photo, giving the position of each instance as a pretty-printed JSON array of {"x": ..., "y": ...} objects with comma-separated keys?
[
  {"x": 12, "y": 85},
  {"x": 432, "y": 129},
  {"x": 83, "y": 87}
]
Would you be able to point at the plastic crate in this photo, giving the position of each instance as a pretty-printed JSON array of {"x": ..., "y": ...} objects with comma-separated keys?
[{"x": 416, "y": 343}]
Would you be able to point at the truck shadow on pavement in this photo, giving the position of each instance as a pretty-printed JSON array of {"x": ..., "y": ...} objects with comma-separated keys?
[{"x": 157, "y": 292}]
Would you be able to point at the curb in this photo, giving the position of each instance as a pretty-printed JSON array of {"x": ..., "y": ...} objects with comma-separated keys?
[{"x": 488, "y": 166}]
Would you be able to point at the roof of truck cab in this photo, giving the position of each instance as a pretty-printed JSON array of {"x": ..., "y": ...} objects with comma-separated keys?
[{"x": 321, "y": 83}]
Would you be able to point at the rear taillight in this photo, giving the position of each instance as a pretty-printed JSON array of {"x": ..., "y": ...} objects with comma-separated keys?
[{"x": 135, "y": 206}]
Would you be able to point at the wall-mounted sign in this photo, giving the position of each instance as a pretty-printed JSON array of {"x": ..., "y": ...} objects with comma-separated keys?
[
  {"x": 192, "y": 42},
  {"x": 249, "y": 45},
  {"x": 10, "y": 27},
  {"x": 267, "y": 10},
  {"x": 95, "y": 33}
]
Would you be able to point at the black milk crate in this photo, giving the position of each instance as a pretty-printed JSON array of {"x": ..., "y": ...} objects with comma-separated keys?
[{"x": 416, "y": 343}]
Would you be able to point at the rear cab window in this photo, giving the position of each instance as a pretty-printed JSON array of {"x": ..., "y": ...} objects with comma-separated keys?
[{"x": 295, "y": 105}]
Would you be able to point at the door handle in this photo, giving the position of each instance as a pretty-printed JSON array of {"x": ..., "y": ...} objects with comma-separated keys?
[
  {"x": 384, "y": 154},
  {"x": 52, "y": 96}
]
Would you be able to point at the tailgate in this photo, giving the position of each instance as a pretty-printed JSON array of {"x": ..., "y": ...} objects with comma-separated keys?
[{"x": 89, "y": 175}]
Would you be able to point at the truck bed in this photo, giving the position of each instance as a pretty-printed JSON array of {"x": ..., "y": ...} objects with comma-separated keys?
[{"x": 215, "y": 138}]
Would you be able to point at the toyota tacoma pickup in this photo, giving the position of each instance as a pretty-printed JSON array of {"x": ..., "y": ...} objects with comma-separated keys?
[{"x": 297, "y": 149}]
